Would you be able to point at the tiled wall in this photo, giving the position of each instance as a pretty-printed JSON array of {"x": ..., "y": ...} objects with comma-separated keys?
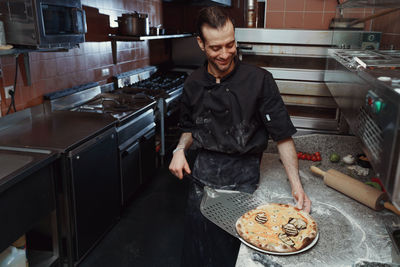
[
  {"x": 54, "y": 71},
  {"x": 390, "y": 26},
  {"x": 300, "y": 14}
]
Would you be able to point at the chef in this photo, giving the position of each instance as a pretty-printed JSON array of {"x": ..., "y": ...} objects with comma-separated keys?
[{"x": 229, "y": 109}]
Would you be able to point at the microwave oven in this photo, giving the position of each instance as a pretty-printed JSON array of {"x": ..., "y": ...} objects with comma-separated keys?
[{"x": 43, "y": 23}]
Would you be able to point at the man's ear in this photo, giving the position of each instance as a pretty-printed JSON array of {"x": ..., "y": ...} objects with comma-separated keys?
[{"x": 200, "y": 43}]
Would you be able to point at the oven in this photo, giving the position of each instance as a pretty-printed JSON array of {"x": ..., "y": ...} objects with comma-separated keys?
[
  {"x": 43, "y": 23},
  {"x": 135, "y": 128},
  {"x": 366, "y": 86},
  {"x": 165, "y": 87},
  {"x": 297, "y": 60}
]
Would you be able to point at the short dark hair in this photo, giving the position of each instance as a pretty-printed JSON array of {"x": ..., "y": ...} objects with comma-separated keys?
[{"x": 214, "y": 16}]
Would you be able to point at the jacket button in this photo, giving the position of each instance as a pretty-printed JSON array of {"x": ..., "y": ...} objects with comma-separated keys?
[
  {"x": 209, "y": 131},
  {"x": 227, "y": 89},
  {"x": 227, "y": 111},
  {"x": 209, "y": 91},
  {"x": 227, "y": 132},
  {"x": 209, "y": 111}
]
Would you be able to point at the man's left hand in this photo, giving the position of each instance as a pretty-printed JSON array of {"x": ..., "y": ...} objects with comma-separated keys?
[{"x": 302, "y": 200}]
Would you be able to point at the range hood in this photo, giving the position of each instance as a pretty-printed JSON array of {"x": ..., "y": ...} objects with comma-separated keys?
[
  {"x": 203, "y": 2},
  {"x": 371, "y": 3}
]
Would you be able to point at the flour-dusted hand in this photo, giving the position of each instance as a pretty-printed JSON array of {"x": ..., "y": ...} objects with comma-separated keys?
[
  {"x": 302, "y": 200},
  {"x": 179, "y": 164},
  {"x": 288, "y": 155}
]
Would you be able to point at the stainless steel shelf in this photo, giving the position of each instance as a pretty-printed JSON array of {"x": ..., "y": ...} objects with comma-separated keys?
[
  {"x": 370, "y": 3},
  {"x": 148, "y": 37},
  {"x": 119, "y": 38}
]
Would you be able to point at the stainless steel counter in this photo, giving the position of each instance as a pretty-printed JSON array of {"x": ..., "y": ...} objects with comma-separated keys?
[{"x": 349, "y": 231}]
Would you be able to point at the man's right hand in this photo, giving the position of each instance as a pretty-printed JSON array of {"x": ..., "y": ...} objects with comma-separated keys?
[{"x": 179, "y": 164}]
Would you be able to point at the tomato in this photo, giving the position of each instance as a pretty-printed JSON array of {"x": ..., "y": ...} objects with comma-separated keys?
[
  {"x": 299, "y": 155},
  {"x": 317, "y": 154},
  {"x": 314, "y": 158},
  {"x": 303, "y": 156},
  {"x": 308, "y": 157},
  {"x": 318, "y": 158}
]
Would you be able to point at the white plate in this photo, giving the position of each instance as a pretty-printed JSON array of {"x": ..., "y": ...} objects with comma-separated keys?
[{"x": 280, "y": 253}]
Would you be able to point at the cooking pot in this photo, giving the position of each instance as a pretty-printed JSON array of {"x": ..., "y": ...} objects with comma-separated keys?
[
  {"x": 134, "y": 24},
  {"x": 158, "y": 30}
]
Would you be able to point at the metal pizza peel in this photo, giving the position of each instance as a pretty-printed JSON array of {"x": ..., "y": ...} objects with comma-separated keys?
[{"x": 225, "y": 207}]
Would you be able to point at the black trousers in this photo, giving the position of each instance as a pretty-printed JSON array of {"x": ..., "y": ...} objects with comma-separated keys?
[{"x": 205, "y": 244}]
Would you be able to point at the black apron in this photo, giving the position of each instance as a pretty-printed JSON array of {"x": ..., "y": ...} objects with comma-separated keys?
[{"x": 205, "y": 244}]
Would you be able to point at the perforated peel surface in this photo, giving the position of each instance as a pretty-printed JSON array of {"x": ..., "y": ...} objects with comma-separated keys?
[{"x": 224, "y": 208}]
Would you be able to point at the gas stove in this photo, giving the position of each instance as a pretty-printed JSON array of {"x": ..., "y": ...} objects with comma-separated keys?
[{"x": 118, "y": 105}]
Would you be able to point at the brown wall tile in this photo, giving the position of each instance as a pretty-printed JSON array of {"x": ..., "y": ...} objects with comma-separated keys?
[
  {"x": 275, "y": 20},
  {"x": 314, "y": 5},
  {"x": 294, "y": 20},
  {"x": 276, "y": 5},
  {"x": 294, "y": 5}
]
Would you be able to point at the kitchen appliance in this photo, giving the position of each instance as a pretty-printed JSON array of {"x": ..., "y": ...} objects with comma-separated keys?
[
  {"x": 43, "y": 23},
  {"x": 88, "y": 184},
  {"x": 135, "y": 128},
  {"x": 365, "y": 194},
  {"x": 165, "y": 87},
  {"x": 133, "y": 24},
  {"x": 28, "y": 197},
  {"x": 365, "y": 86}
]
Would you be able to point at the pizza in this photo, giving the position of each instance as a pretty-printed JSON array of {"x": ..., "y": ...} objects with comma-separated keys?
[{"x": 277, "y": 228}]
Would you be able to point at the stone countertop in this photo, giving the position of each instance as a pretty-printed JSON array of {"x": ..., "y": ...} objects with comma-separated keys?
[{"x": 350, "y": 233}]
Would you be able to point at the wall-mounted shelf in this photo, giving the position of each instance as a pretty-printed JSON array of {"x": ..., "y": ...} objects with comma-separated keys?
[
  {"x": 370, "y": 3},
  {"x": 25, "y": 53},
  {"x": 115, "y": 38}
]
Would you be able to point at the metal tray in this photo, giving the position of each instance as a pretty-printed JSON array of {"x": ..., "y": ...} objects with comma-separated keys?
[{"x": 280, "y": 253}]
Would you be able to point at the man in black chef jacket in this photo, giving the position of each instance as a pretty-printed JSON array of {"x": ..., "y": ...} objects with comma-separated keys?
[{"x": 229, "y": 109}]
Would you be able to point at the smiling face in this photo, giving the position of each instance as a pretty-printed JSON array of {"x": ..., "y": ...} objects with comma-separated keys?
[{"x": 220, "y": 48}]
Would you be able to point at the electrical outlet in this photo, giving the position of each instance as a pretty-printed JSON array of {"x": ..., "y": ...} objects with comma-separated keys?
[
  {"x": 6, "y": 89},
  {"x": 105, "y": 72}
]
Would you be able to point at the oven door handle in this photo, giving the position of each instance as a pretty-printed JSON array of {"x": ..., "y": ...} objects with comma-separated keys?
[
  {"x": 131, "y": 149},
  {"x": 79, "y": 20},
  {"x": 149, "y": 134}
]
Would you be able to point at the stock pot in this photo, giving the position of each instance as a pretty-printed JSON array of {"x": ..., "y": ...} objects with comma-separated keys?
[{"x": 134, "y": 24}]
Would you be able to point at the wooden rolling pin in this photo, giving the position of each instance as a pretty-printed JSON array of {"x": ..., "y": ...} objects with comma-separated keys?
[{"x": 357, "y": 190}]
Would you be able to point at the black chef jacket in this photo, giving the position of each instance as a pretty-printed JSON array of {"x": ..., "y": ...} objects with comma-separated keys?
[{"x": 237, "y": 115}]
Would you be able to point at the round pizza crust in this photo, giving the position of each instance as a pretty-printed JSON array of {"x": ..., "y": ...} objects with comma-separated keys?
[{"x": 264, "y": 233}]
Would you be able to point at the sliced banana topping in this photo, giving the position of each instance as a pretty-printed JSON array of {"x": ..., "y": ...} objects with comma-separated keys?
[
  {"x": 299, "y": 223},
  {"x": 285, "y": 239},
  {"x": 261, "y": 218},
  {"x": 290, "y": 229}
]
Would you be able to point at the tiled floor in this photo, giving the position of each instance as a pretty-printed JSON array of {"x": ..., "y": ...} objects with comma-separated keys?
[{"x": 150, "y": 231}]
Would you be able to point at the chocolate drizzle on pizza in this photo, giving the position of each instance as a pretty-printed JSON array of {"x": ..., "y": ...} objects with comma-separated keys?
[
  {"x": 277, "y": 228},
  {"x": 285, "y": 239},
  {"x": 261, "y": 218},
  {"x": 299, "y": 223},
  {"x": 290, "y": 229}
]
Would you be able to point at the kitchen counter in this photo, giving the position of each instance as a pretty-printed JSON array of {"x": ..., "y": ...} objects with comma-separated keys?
[{"x": 350, "y": 233}]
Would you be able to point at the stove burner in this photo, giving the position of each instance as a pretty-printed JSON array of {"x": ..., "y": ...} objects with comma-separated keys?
[{"x": 161, "y": 81}]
